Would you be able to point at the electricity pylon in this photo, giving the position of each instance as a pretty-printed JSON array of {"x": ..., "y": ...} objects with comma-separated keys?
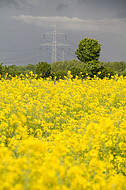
[{"x": 54, "y": 44}]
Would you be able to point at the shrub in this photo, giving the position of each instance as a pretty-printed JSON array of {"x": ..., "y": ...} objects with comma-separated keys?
[
  {"x": 43, "y": 69},
  {"x": 59, "y": 74}
]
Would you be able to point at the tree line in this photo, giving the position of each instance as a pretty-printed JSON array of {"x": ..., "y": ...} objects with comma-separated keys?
[
  {"x": 60, "y": 69},
  {"x": 88, "y": 53}
]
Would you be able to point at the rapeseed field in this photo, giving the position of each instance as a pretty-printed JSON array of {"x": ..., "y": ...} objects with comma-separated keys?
[{"x": 61, "y": 135}]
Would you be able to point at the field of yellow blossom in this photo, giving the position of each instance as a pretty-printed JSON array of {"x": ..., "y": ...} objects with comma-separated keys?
[{"x": 61, "y": 135}]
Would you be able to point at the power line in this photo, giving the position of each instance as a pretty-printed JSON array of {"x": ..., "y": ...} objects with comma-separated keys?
[
  {"x": 66, "y": 38},
  {"x": 54, "y": 43},
  {"x": 23, "y": 60},
  {"x": 25, "y": 52},
  {"x": 15, "y": 48},
  {"x": 68, "y": 52}
]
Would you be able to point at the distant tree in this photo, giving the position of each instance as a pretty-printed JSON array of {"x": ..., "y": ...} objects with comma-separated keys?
[
  {"x": 76, "y": 71},
  {"x": 97, "y": 68},
  {"x": 124, "y": 73},
  {"x": 75, "y": 63},
  {"x": 43, "y": 69},
  {"x": 22, "y": 70},
  {"x": 4, "y": 70},
  {"x": 59, "y": 65},
  {"x": 59, "y": 74},
  {"x": 105, "y": 72},
  {"x": 66, "y": 65},
  {"x": 118, "y": 67},
  {"x": 12, "y": 70},
  {"x": 30, "y": 67},
  {"x": 1, "y": 68},
  {"x": 88, "y": 50}
]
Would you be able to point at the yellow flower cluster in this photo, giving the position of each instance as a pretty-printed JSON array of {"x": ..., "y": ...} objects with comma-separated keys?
[{"x": 61, "y": 135}]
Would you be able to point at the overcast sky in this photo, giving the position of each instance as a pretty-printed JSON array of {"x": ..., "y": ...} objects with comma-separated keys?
[{"x": 23, "y": 24}]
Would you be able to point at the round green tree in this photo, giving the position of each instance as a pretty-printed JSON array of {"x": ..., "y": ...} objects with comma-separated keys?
[{"x": 88, "y": 50}]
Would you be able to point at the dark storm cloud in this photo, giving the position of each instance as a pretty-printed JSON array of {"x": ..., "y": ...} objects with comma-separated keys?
[
  {"x": 103, "y": 1},
  {"x": 61, "y": 6},
  {"x": 17, "y": 4},
  {"x": 118, "y": 5},
  {"x": 107, "y": 3},
  {"x": 47, "y": 7},
  {"x": 7, "y": 2}
]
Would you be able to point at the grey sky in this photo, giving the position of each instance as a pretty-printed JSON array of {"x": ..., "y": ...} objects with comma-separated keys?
[{"x": 24, "y": 22}]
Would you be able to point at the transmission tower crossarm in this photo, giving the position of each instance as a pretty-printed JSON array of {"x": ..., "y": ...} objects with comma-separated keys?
[
  {"x": 60, "y": 44},
  {"x": 47, "y": 44},
  {"x": 48, "y": 33}
]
